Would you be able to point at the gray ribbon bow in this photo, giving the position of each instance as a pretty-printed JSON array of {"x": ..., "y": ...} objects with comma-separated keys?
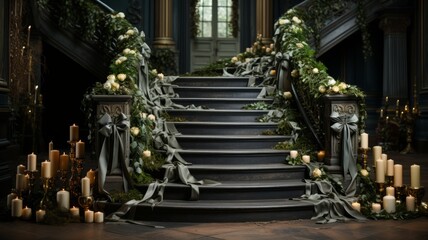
[
  {"x": 112, "y": 155},
  {"x": 347, "y": 125}
]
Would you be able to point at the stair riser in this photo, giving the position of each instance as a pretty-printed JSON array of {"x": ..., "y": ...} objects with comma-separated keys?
[
  {"x": 218, "y": 104},
  {"x": 206, "y": 116},
  {"x": 201, "y": 158},
  {"x": 217, "y": 93},
  {"x": 235, "y": 194},
  {"x": 221, "y": 215},
  {"x": 224, "y": 130},
  {"x": 248, "y": 175},
  {"x": 227, "y": 143},
  {"x": 218, "y": 82}
]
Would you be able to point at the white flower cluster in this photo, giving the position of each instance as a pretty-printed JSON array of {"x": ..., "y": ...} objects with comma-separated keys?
[{"x": 118, "y": 15}]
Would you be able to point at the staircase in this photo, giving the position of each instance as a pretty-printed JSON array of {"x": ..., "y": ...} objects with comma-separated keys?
[{"x": 226, "y": 144}]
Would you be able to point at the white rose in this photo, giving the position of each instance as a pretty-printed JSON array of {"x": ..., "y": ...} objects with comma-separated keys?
[
  {"x": 287, "y": 95},
  {"x": 126, "y": 50},
  {"x": 136, "y": 164},
  {"x": 123, "y": 58},
  {"x": 299, "y": 45},
  {"x": 268, "y": 50},
  {"x": 143, "y": 115},
  {"x": 315, "y": 71},
  {"x": 331, "y": 81},
  {"x": 160, "y": 76},
  {"x": 321, "y": 89},
  {"x": 294, "y": 73},
  {"x": 316, "y": 173},
  {"x": 282, "y": 21},
  {"x": 336, "y": 89},
  {"x": 138, "y": 170},
  {"x": 120, "y": 15},
  {"x": 135, "y": 131},
  {"x": 130, "y": 32},
  {"x": 121, "y": 76},
  {"x": 115, "y": 86},
  {"x": 111, "y": 78},
  {"x": 107, "y": 85},
  {"x": 296, "y": 20},
  {"x": 234, "y": 60},
  {"x": 343, "y": 86},
  {"x": 121, "y": 37},
  {"x": 364, "y": 172},
  {"x": 154, "y": 71},
  {"x": 132, "y": 52},
  {"x": 147, "y": 153},
  {"x": 151, "y": 117}
]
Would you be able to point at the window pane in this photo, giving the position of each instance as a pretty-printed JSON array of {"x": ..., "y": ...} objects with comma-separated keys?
[
  {"x": 222, "y": 29},
  {"x": 222, "y": 14},
  {"x": 206, "y": 29},
  {"x": 206, "y": 14},
  {"x": 223, "y": 2},
  {"x": 206, "y": 2}
]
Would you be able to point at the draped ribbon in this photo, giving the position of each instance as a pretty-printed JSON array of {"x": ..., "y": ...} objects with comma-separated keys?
[
  {"x": 347, "y": 125},
  {"x": 112, "y": 159}
]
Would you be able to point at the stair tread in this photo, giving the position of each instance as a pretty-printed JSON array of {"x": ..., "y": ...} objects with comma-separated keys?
[
  {"x": 217, "y": 110},
  {"x": 223, "y": 99},
  {"x": 228, "y": 123},
  {"x": 234, "y": 151},
  {"x": 258, "y": 136},
  {"x": 219, "y": 88},
  {"x": 249, "y": 184},
  {"x": 263, "y": 166},
  {"x": 234, "y": 204}
]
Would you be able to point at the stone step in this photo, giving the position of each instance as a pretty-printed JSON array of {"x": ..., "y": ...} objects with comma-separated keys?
[
  {"x": 247, "y": 172},
  {"x": 245, "y": 156},
  {"x": 212, "y": 115},
  {"x": 225, "y": 128},
  {"x": 212, "y": 82},
  {"x": 220, "y": 103},
  {"x": 237, "y": 190},
  {"x": 229, "y": 141},
  {"x": 217, "y": 92},
  {"x": 253, "y": 210}
]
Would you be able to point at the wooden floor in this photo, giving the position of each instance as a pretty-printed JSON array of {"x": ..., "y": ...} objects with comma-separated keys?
[{"x": 296, "y": 229}]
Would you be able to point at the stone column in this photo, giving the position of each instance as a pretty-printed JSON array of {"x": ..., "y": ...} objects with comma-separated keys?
[
  {"x": 163, "y": 25},
  {"x": 264, "y": 23},
  {"x": 395, "y": 56}
]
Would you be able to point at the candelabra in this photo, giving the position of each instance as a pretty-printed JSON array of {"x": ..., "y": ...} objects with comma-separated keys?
[
  {"x": 400, "y": 194},
  {"x": 364, "y": 157},
  {"x": 32, "y": 176},
  {"x": 76, "y": 169},
  {"x": 63, "y": 178},
  {"x": 45, "y": 202},
  {"x": 85, "y": 202},
  {"x": 418, "y": 193},
  {"x": 380, "y": 190},
  {"x": 389, "y": 181}
]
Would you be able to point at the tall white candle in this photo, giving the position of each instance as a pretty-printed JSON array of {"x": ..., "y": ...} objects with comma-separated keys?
[
  {"x": 20, "y": 169},
  {"x": 63, "y": 162},
  {"x": 74, "y": 132},
  {"x": 89, "y": 216},
  {"x": 54, "y": 159},
  {"x": 364, "y": 140},
  {"x": 398, "y": 175},
  {"x": 63, "y": 200},
  {"x": 85, "y": 186},
  {"x": 389, "y": 203},
  {"x": 10, "y": 197},
  {"x": 410, "y": 203},
  {"x": 415, "y": 176},
  {"x": 20, "y": 182},
  {"x": 50, "y": 146},
  {"x": 46, "y": 169},
  {"x": 377, "y": 152},
  {"x": 16, "y": 207},
  {"x": 31, "y": 162},
  {"x": 91, "y": 175},
  {"x": 80, "y": 149},
  {"x": 380, "y": 173},
  {"x": 390, "y": 167},
  {"x": 384, "y": 160}
]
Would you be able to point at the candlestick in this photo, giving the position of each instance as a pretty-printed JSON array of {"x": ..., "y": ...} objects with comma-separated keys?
[
  {"x": 364, "y": 140},
  {"x": 85, "y": 202},
  {"x": 380, "y": 173},
  {"x": 45, "y": 202},
  {"x": 31, "y": 162},
  {"x": 377, "y": 152},
  {"x": 398, "y": 175},
  {"x": 400, "y": 194},
  {"x": 418, "y": 193},
  {"x": 415, "y": 176},
  {"x": 384, "y": 158},
  {"x": 364, "y": 157},
  {"x": 54, "y": 159},
  {"x": 74, "y": 132},
  {"x": 80, "y": 149},
  {"x": 380, "y": 190}
]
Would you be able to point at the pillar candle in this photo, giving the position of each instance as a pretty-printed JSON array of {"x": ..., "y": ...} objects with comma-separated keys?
[
  {"x": 99, "y": 217},
  {"x": 91, "y": 175},
  {"x": 376, "y": 207},
  {"x": 20, "y": 169},
  {"x": 85, "y": 186},
  {"x": 398, "y": 175},
  {"x": 50, "y": 146},
  {"x": 74, "y": 132},
  {"x": 389, "y": 203},
  {"x": 31, "y": 162},
  {"x": 410, "y": 203},
  {"x": 385, "y": 161},
  {"x": 40, "y": 215},
  {"x": 10, "y": 196},
  {"x": 390, "y": 167},
  {"x": 74, "y": 212},
  {"x": 377, "y": 152},
  {"x": 415, "y": 176},
  {"x": 390, "y": 191},
  {"x": 63, "y": 200},
  {"x": 89, "y": 216},
  {"x": 380, "y": 173},
  {"x": 356, "y": 206},
  {"x": 306, "y": 158},
  {"x": 16, "y": 207},
  {"x": 20, "y": 182},
  {"x": 26, "y": 213},
  {"x": 293, "y": 153},
  {"x": 54, "y": 159},
  {"x": 80, "y": 149},
  {"x": 364, "y": 140},
  {"x": 63, "y": 162},
  {"x": 46, "y": 169}
]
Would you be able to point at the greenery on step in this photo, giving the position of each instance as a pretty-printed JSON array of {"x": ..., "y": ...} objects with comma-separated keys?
[
  {"x": 123, "y": 197},
  {"x": 257, "y": 106}
]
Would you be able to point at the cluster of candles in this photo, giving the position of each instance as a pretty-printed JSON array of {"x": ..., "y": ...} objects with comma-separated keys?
[
  {"x": 49, "y": 169},
  {"x": 385, "y": 168}
]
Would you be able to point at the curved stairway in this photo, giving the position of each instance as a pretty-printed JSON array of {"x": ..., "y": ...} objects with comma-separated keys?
[{"x": 226, "y": 144}]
